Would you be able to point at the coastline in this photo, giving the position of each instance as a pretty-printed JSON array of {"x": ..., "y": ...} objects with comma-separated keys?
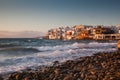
[{"x": 100, "y": 66}]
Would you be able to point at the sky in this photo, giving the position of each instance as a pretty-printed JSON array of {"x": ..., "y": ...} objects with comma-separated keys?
[{"x": 41, "y": 15}]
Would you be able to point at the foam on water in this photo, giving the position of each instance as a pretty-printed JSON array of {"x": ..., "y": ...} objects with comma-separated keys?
[
  {"x": 75, "y": 46},
  {"x": 50, "y": 54}
]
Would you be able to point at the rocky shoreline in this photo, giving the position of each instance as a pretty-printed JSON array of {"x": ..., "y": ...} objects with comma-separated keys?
[{"x": 100, "y": 66}]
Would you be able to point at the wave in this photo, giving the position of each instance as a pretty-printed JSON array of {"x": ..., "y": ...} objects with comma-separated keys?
[
  {"x": 17, "y": 51},
  {"x": 22, "y": 51},
  {"x": 75, "y": 46},
  {"x": 16, "y": 64},
  {"x": 45, "y": 55},
  {"x": 4, "y": 45}
]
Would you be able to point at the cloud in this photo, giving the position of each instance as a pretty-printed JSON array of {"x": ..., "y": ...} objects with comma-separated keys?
[{"x": 22, "y": 34}]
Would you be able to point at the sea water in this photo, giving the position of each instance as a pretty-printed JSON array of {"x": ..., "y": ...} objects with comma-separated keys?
[{"x": 19, "y": 54}]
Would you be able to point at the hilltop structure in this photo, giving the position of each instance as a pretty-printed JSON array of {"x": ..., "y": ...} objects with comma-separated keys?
[{"x": 99, "y": 32}]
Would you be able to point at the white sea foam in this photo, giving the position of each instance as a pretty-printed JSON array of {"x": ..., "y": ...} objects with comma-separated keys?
[
  {"x": 50, "y": 54},
  {"x": 74, "y": 46}
]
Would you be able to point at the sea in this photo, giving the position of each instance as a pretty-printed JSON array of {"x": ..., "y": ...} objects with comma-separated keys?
[{"x": 21, "y": 53}]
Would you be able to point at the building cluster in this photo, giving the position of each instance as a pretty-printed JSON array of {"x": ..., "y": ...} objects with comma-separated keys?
[{"x": 85, "y": 32}]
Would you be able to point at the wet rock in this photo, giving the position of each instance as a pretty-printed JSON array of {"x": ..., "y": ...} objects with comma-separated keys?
[
  {"x": 117, "y": 74},
  {"x": 51, "y": 76},
  {"x": 55, "y": 63},
  {"x": 57, "y": 71},
  {"x": 26, "y": 78},
  {"x": 101, "y": 66},
  {"x": 1, "y": 77},
  {"x": 93, "y": 72},
  {"x": 92, "y": 77},
  {"x": 82, "y": 75},
  {"x": 68, "y": 77}
]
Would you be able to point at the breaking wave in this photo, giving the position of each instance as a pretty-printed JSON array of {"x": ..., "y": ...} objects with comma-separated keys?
[{"x": 18, "y": 58}]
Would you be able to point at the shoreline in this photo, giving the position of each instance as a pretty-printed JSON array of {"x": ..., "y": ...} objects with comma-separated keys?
[{"x": 101, "y": 66}]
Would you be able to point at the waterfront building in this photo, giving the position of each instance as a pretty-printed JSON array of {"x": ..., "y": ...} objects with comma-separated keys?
[
  {"x": 115, "y": 29},
  {"x": 106, "y": 37},
  {"x": 85, "y": 32},
  {"x": 102, "y": 30},
  {"x": 118, "y": 27}
]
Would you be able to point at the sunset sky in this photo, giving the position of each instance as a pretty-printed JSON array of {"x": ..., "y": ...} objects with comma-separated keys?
[{"x": 41, "y": 15}]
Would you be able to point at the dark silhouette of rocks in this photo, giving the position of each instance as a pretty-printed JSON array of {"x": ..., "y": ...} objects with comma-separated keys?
[
  {"x": 1, "y": 78},
  {"x": 100, "y": 66}
]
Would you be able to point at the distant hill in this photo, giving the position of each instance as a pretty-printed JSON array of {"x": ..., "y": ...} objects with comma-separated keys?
[{"x": 21, "y": 34}]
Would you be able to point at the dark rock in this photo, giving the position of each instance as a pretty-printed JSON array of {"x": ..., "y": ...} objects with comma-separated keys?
[
  {"x": 57, "y": 71},
  {"x": 68, "y": 77},
  {"x": 101, "y": 66},
  {"x": 55, "y": 63},
  {"x": 92, "y": 77},
  {"x": 1, "y": 77}
]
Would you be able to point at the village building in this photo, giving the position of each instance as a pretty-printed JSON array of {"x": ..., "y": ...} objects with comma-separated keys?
[
  {"x": 107, "y": 37},
  {"x": 103, "y": 30},
  {"x": 82, "y": 31},
  {"x": 106, "y": 33},
  {"x": 70, "y": 34},
  {"x": 118, "y": 27},
  {"x": 99, "y": 32},
  {"x": 115, "y": 29},
  {"x": 53, "y": 34}
]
